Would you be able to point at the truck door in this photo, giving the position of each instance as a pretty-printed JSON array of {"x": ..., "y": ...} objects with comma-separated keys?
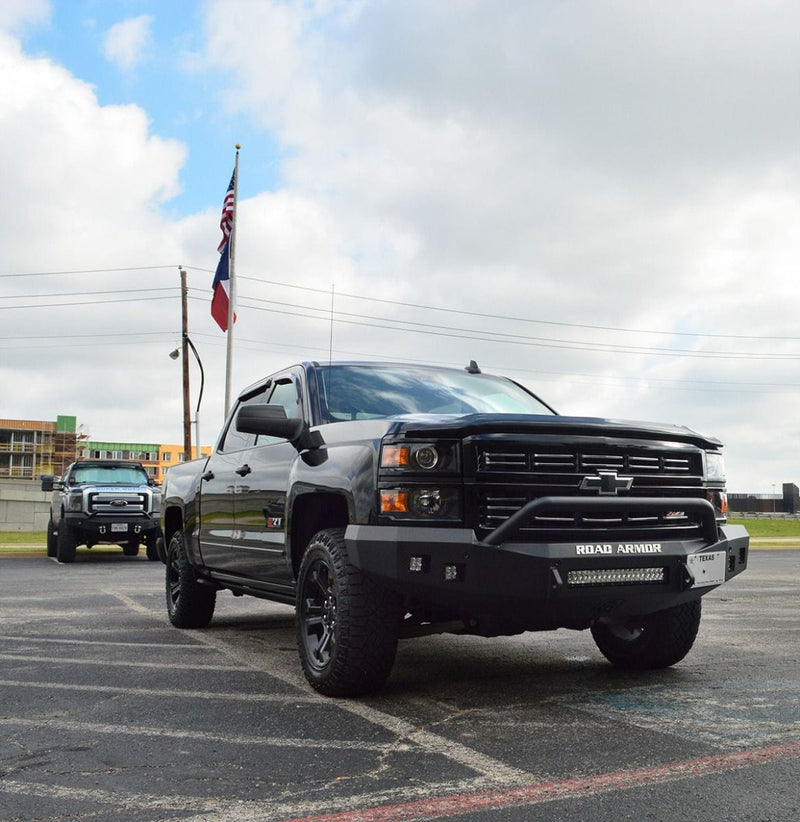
[
  {"x": 219, "y": 487},
  {"x": 260, "y": 506}
]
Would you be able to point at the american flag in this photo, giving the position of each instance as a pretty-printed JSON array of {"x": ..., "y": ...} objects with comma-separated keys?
[
  {"x": 226, "y": 219},
  {"x": 222, "y": 284}
]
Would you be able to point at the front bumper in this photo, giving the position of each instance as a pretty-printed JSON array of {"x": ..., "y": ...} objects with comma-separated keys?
[
  {"x": 535, "y": 583},
  {"x": 112, "y": 529}
]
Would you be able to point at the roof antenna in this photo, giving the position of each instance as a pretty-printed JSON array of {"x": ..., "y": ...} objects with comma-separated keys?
[{"x": 472, "y": 368}]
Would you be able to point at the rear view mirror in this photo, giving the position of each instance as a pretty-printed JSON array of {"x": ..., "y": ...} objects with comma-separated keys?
[{"x": 271, "y": 420}]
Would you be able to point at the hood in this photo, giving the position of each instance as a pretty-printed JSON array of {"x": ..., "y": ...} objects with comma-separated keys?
[{"x": 477, "y": 424}]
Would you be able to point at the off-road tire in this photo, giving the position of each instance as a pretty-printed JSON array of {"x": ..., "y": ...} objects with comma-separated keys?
[
  {"x": 189, "y": 604},
  {"x": 652, "y": 641},
  {"x": 66, "y": 543},
  {"x": 131, "y": 548},
  {"x": 52, "y": 539},
  {"x": 347, "y": 625},
  {"x": 151, "y": 546}
]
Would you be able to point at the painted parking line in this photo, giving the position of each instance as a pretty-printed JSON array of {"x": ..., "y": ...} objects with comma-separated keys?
[{"x": 442, "y": 807}]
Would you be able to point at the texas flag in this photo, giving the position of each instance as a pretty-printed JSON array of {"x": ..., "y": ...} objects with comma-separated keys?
[{"x": 222, "y": 280}]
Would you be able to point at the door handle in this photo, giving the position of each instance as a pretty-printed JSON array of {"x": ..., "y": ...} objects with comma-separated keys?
[
  {"x": 209, "y": 475},
  {"x": 243, "y": 470}
]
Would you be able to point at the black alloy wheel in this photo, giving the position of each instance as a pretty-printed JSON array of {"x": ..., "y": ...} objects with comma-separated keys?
[
  {"x": 347, "y": 625},
  {"x": 190, "y": 604}
]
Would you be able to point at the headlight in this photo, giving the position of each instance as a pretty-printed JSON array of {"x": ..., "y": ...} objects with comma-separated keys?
[
  {"x": 422, "y": 456},
  {"x": 421, "y": 503},
  {"x": 715, "y": 466},
  {"x": 75, "y": 501},
  {"x": 156, "y": 502}
]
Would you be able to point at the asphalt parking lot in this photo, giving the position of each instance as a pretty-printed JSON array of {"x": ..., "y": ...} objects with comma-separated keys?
[{"x": 109, "y": 713}]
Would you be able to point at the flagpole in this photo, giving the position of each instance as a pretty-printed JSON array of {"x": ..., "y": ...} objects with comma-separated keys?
[{"x": 232, "y": 284}]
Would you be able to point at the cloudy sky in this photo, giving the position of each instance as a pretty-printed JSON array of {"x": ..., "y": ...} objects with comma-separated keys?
[{"x": 599, "y": 199}]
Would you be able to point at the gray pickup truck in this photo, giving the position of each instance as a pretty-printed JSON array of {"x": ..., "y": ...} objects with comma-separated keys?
[
  {"x": 111, "y": 502},
  {"x": 386, "y": 501}
]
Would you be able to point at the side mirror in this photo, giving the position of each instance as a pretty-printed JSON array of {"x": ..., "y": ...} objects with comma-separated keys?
[
  {"x": 47, "y": 482},
  {"x": 271, "y": 421}
]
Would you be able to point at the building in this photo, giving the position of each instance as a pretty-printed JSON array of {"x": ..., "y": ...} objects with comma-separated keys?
[
  {"x": 155, "y": 457},
  {"x": 788, "y": 502},
  {"x": 145, "y": 452},
  {"x": 29, "y": 448},
  {"x": 173, "y": 455}
]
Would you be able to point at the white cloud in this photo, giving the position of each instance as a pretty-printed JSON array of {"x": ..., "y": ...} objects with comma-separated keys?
[
  {"x": 126, "y": 43},
  {"x": 87, "y": 181},
  {"x": 569, "y": 170},
  {"x": 15, "y": 14},
  {"x": 634, "y": 168}
]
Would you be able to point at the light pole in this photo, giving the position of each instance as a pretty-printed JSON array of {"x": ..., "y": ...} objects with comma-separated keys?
[{"x": 199, "y": 395}]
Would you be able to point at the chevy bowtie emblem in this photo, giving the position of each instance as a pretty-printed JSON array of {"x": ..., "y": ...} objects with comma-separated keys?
[{"x": 606, "y": 482}]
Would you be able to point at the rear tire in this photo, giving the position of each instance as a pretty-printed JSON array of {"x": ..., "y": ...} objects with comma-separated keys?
[
  {"x": 189, "y": 604},
  {"x": 347, "y": 625},
  {"x": 52, "y": 539},
  {"x": 151, "y": 544},
  {"x": 652, "y": 641},
  {"x": 131, "y": 548},
  {"x": 66, "y": 543}
]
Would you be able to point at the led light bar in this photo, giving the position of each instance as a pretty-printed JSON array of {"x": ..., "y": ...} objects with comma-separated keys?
[{"x": 616, "y": 576}]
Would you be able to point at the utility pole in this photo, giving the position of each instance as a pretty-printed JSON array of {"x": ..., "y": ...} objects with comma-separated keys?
[{"x": 187, "y": 414}]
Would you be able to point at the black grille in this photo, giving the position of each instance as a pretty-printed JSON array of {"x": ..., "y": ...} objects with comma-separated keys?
[
  {"x": 508, "y": 476},
  {"x": 503, "y": 459}
]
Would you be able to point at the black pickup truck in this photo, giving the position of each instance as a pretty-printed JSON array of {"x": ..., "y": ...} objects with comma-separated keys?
[
  {"x": 109, "y": 502},
  {"x": 387, "y": 500}
]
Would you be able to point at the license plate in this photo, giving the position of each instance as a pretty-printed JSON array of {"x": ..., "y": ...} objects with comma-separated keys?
[
  {"x": 119, "y": 527},
  {"x": 707, "y": 569}
]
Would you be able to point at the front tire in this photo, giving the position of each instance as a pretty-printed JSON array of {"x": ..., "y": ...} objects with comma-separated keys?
[
  {"x": 347, "y": 625},
  {"x": 189, "y": 604},
  {"x": 652, "y": 641},
  {"x": 66, "y": 543}
]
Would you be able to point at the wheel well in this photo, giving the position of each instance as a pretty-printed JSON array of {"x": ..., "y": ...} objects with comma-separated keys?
[
  {"x": 311, "y": 513},
  {"x": 173, "y": 521}
]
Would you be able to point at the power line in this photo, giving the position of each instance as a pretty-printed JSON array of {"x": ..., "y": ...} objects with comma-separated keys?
[
  {"x": 89, "y": 336},
  {"x": 507, "y": 318},
  {"x": 175, "y": 289},
  {"x": 420, "y": 306},
  {"x": 91, "y": 302},
  {"x": 88, "y": 271},
  {"x": 389, "y": 324}
]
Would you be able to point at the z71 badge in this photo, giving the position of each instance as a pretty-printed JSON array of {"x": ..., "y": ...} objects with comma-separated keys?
[{"x": 612, "y": 548}]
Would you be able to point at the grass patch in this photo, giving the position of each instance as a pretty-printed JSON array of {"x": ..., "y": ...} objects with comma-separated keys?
[
  {"x": 763, "y": 528},
  {"x": 12, "y": 541},
  {"x": 23, "y": 542},
  {"x": 23, "y": 537}
]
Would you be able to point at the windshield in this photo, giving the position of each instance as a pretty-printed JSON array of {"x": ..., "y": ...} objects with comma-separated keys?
[
  {"x": 357, "y": 392},
  {"x": 109, "y": 475}
]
